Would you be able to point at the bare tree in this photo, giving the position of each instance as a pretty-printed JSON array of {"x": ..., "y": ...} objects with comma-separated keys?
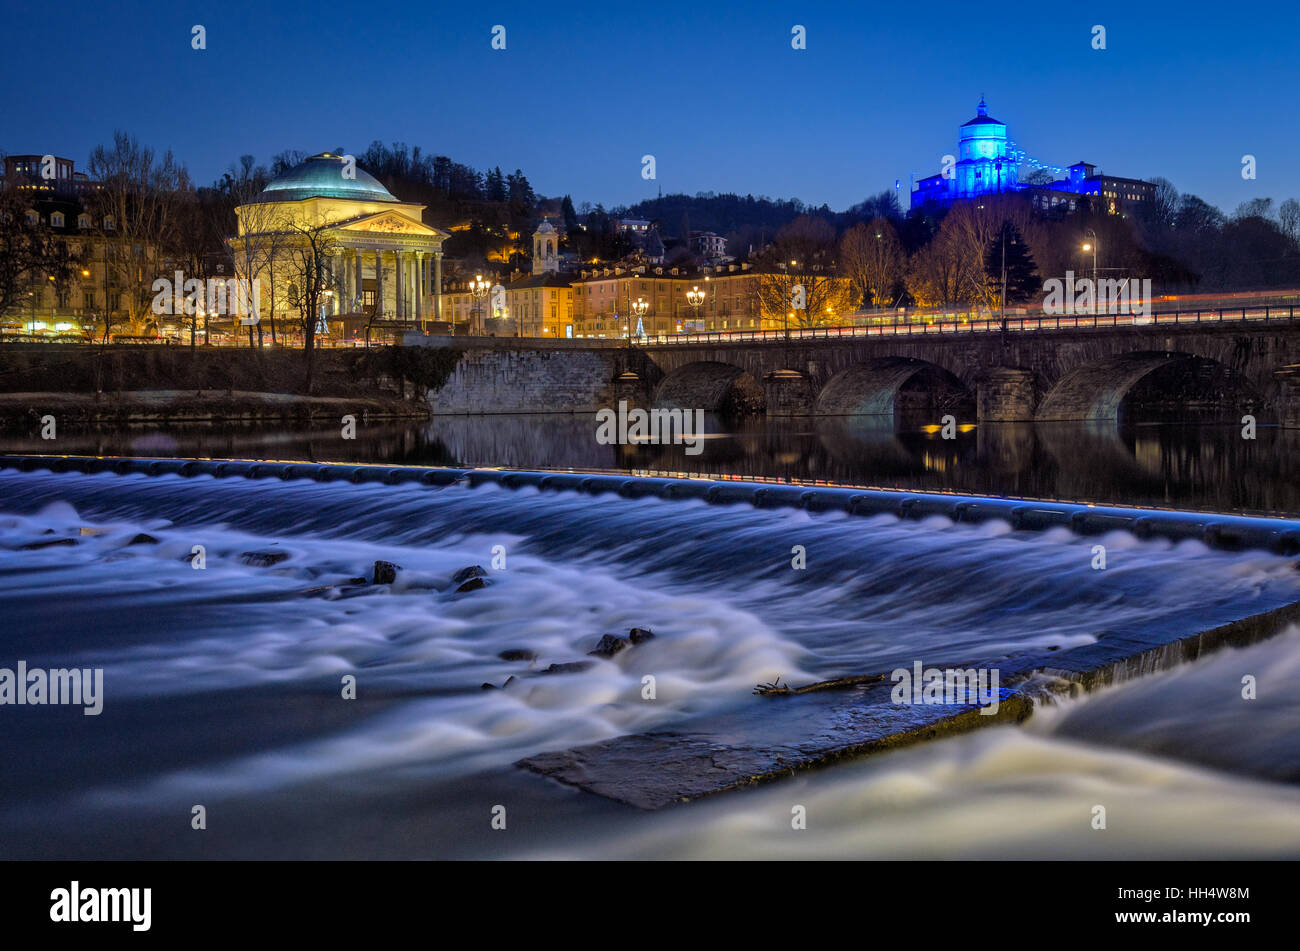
[
  {"x": 873, "y": 261},
  {"x": 1288, "y": 214},
  {"x": 796, "y": 275},
  {"x": 135, "y": 204},
  {"x": 969, "y": 229},
  {"x": 308, "y": 272},
  {"x": 935, "y": 274},
  {"x": 29, "y": 253},
  {"x": 1164, "y": 203},
  {"x": 263, "y": 234}
]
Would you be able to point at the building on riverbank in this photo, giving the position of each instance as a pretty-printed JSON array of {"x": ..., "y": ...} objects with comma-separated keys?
[{"x": 384, "y": 264}]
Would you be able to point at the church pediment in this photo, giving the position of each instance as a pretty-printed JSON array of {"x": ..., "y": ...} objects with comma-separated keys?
[{"x": 390, "y": 222}]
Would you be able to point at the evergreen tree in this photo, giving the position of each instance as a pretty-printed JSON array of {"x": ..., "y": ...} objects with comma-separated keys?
[
  {"x": 569, "y": 215},
  {"x": 495, "y": 185},
  {"x": 1021, "y": 272}
]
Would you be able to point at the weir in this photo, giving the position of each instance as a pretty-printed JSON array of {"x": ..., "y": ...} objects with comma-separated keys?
[
  {"x": 1226, "y": 532},
  {"x": 793, "y": 727}
]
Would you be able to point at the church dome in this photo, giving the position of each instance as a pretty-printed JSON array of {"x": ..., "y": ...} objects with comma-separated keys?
[
  {"x": 545, "y": 227},
  {"x": 982, "y": 116},
  {"x": 321, "y": 176}
]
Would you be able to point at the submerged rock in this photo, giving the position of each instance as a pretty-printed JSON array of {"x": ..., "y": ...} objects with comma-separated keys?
[
  {"x": 386, "y": 572},
  {"x": 517, "y": 653},
  {"x": 142, "y": 539},
  {"x": 609, "y": 645},
  {"x": 639, "y": 635},
  {"x": 263, "y": 559},
  {"x": 572, "y": 667},
  {"x": 473, "y": 571},
  {"x": 34, "y": 546},
  {"x": 473, "y": 584}
]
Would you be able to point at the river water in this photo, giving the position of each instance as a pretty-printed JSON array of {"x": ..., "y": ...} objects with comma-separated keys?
[
  {"x": 1207, "y": 466},
  {"x": 223, "y": 686}
]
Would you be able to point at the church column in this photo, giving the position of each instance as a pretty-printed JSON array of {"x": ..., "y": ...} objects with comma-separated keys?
[
  {"x": 336, "y": 278},
  {"x": 399, "y": 287},
  {"x": 419, "y": 288},
  {"x": 358, "y": 277},
  {"x": 354, "y": 286},
  {"x": 379, "y": 283},
  {"x": 345, "y": 279},
  {"x": 437, "y": 285}
]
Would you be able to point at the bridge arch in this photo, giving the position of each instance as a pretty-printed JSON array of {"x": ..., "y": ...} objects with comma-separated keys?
[
  {"x": 712, "y": 386},
  {"x": 1150, "y": 380},
  {"x": 894, "y": 386}
]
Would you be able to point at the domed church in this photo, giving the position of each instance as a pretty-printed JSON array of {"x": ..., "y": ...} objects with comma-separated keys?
[{"x": 380, "y": 252}]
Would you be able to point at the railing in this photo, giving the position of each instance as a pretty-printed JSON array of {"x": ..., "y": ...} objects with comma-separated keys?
[
  {"x": 938, "y": 326},
  {"x": 1012, "y": 324}
]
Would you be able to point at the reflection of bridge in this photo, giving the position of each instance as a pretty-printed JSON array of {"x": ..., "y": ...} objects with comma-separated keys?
[{"x": 1044, "y": 368}]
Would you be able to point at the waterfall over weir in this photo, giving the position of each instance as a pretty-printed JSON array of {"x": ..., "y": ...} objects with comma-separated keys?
[{"x": 223, "y": 685}]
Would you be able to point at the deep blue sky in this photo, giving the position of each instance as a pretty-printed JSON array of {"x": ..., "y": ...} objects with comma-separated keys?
[{"x": 713, "y": 91}]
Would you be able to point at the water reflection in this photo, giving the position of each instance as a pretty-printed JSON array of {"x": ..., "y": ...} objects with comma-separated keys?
[{"x": 1202, "y": 465}]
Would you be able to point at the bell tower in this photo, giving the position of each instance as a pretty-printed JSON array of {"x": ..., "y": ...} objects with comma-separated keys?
[{"x": 546, "y": 254}]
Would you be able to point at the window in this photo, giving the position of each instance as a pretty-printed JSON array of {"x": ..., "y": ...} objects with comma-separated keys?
[
  {"x": 109, "y": 223},
  {"x": 83, "y": 221},
  {"x": 33, "y": 218},
  {"x": 56, "y": 220}
]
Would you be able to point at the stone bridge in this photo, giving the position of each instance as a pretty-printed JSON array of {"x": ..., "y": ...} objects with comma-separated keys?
[{"x": 1084, "y": 374}]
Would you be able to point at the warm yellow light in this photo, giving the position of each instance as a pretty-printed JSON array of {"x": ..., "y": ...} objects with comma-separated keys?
[{"x": 1087, "y": 247}]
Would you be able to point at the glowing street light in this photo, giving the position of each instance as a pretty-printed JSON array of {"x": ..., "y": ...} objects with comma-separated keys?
[
  {"x": 479, "y": 289},
  {"x": 695, "y": 297},
  {"x": 640, "y": 307},
  {"x": 1092, "y": 246}
]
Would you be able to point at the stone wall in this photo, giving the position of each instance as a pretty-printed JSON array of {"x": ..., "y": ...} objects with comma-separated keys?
[{"x": 519, "y": 380}]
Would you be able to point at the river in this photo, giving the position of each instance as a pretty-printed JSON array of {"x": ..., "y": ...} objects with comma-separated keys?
[{"x": 224, "y": 687}]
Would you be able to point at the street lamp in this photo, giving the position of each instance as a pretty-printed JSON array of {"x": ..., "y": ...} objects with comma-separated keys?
[
  {"x": 479, "y": 289},
  {"x": 639, "y": 309},
  {"x": 1092, "y": 246},
  {"x": 695, "y": 297},
  {"x": 1004, "y": 277}
]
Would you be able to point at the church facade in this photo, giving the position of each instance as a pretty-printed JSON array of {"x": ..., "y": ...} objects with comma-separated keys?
[{"x": 384, "y": 265}]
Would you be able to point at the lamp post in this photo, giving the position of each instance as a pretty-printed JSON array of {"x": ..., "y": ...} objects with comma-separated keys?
[
  {"x": 1004, "y": 278},
  {"x": 695, "y": 297},
  {"x": 640, "y": 307},
  {"x": 1092, "y": 246},
  {"x": 478, "y": 288}
]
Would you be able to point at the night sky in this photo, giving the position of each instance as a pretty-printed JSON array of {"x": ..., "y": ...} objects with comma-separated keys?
[{"x": 713, "y": 91}]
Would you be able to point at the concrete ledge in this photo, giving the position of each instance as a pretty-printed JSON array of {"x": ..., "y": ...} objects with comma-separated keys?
[{"x": 777, "y": 736}]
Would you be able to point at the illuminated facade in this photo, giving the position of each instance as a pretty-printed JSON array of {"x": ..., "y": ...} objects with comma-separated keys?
[
  {"x": 385, "y": 264},
  {"x": 987, "y": 164}
]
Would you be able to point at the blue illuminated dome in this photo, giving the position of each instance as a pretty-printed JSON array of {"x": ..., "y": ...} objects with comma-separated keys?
[{"x": 321, "y": 176}]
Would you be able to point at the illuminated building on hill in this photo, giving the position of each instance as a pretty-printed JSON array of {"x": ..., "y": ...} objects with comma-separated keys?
[{"x": 988, "y": 164}]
